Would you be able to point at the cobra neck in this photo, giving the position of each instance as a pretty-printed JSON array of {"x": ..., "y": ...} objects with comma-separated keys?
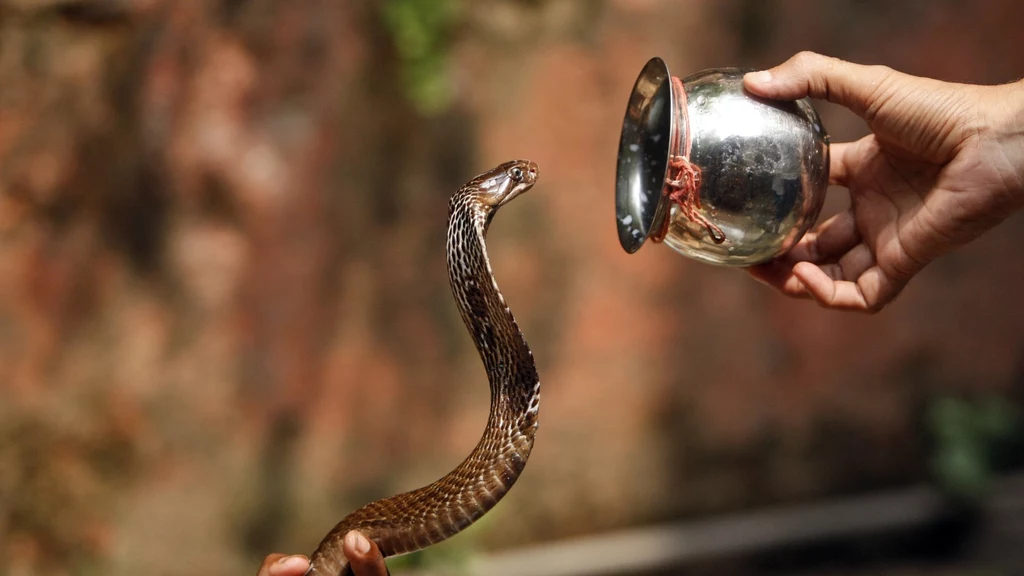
[{"x": 491, "y": 324}]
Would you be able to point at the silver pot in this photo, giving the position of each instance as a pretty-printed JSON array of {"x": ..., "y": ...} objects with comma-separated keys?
[{"x": 714, "y": 172}]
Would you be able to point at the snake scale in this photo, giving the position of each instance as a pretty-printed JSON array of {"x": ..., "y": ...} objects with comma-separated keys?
[{"x": 414, "y": 520}]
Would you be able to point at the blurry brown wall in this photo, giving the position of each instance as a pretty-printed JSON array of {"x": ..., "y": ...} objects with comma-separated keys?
[{"x": 225, "y": 318}]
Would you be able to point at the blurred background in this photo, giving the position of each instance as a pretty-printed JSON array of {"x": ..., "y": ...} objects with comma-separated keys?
[{"x": 225, "y": 320}]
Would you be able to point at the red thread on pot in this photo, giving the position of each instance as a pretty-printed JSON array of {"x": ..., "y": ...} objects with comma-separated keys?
[{"x": 683, "y": 178}]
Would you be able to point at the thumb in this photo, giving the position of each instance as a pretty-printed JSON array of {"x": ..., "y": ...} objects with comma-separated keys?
[{"x": 808, "y": 74}]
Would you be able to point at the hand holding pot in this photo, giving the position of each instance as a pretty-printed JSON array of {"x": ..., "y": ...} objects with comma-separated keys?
[{"x": 944, "y": 164}]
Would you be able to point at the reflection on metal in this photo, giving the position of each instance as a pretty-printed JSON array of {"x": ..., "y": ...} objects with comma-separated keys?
[{"x": 716, "y": 173}]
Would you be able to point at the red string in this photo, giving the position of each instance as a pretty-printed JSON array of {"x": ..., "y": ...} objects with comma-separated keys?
[{"x": 683, "y": 178}]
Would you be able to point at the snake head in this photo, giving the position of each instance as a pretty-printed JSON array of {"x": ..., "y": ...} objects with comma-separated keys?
[{"x": 500, "y": 185}]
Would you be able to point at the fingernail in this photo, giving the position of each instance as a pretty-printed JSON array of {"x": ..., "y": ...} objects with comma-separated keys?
[
  {"x": 358, "y": 541},
  {"x": 762, "y": 77},
  {"x": 292, "y": 562}
]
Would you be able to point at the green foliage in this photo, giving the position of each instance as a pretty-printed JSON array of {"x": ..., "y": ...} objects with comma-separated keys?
[
  {"x": 421, "y": 30},
  {"x": 449, "y": 557},
  {"x": 966, "y": 435}
]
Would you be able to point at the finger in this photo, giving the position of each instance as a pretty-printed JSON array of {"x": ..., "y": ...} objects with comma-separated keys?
[
  {"x": 267, "y": 562},
  {"x": 869, "y": 293},
  {"x": 284, "y": 565},
  {"x": 839, "y": 163},
  {"x": 363, "y": 555},
  {"x": 779, "y": 276},
  {"x": 839, "y": 294},
  {"x": 809, "y": 74},
  {"x": 851, "y": 265},
  {"x": 835, "y": 236}
]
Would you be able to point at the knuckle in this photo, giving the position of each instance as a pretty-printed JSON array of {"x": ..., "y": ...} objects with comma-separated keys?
[
  {"x": 806, "y": 58},
  {"x": 818, "y": 71},
  {"x": 881, "y": 76},
  {"x": 872, "y": 307},
  {"x": 881, "y": 70},
  {"x": 805, "y": 62}
]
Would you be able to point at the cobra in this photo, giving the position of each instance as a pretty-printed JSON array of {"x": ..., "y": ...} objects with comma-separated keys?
[{"x": 414, "y": 520}]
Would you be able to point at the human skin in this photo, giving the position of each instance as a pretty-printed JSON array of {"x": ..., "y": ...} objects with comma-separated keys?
[
  {"x": 363, "y": 555},
  {"x": 944, "y": 163}
]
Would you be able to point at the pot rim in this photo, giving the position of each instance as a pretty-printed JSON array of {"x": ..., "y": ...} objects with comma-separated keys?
[{"x": 643, "y": 152}]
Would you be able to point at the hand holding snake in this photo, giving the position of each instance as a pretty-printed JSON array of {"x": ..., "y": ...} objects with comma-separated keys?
[{"x": 414, "y": 520}]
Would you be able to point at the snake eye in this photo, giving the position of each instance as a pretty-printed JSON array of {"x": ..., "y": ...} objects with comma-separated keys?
[{"x": 516, "y": 173}]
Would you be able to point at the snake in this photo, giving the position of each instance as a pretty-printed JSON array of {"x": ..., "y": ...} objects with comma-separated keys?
[{"x": 413, "y": 520}]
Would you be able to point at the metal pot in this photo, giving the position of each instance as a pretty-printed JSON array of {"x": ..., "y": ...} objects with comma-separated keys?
[{"x": 714, "y": 172}]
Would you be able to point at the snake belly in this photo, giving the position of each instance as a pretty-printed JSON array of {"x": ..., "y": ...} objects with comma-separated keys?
[{"x": 414, "y": 520}]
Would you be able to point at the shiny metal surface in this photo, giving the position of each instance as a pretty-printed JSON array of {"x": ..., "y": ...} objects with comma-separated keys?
[
  {"x": 763, "y": 166},
  {"x": 643, "y": 156}
]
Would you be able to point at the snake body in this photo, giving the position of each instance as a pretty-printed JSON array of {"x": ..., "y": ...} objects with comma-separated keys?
[{"x": 414, "y": 520}]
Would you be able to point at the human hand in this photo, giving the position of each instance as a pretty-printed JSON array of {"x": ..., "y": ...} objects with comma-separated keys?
[
  {"x": 363, "y": 555},
  {"x": 944, "y": 164}
]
